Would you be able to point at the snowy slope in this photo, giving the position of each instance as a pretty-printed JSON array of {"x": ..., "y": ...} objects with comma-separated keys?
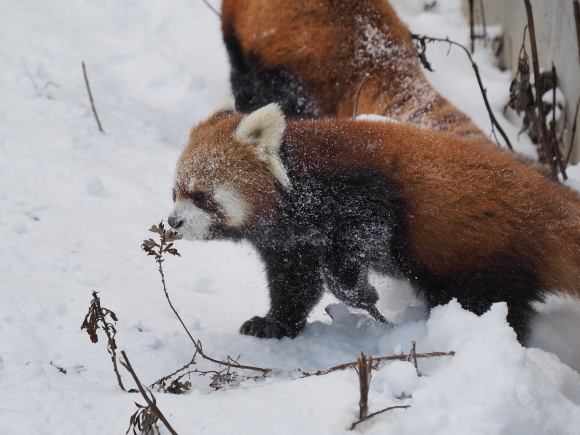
[{"x": 75, "y": 205}]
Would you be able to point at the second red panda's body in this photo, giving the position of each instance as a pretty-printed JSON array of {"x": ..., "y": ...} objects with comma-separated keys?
[{"x": 311, "y": 57}]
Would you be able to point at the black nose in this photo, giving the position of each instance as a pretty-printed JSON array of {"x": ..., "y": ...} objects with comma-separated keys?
[{"x": 175, "y": 222}]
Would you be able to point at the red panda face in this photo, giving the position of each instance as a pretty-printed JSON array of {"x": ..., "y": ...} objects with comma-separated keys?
[{"x": 229, "y": 174}]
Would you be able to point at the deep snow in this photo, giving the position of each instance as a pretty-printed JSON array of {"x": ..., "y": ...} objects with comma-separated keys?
[{"x": 76, "y": 204}]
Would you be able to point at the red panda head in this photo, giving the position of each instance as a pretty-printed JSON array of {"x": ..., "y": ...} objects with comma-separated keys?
[{"x": 229, "y": 174}]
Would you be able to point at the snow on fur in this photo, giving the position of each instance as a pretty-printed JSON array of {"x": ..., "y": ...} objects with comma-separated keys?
[{"x": 76, "y": 204}]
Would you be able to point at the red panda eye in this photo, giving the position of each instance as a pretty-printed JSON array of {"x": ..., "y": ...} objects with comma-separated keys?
[{"x": 197, "y": 196}]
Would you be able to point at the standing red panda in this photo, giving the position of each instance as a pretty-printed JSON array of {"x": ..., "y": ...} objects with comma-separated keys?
[
  {"x": 311, "y": 57},
  {"x": 324, "y": 200}
]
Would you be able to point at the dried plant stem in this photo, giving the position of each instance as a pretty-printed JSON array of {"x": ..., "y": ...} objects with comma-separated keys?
[
  {"x": 377, "y": 361},
  {"x": 215, "y": 11},
  {"x": 413, "y": 357},
  {"x": 494, "y": 122},
  {"x": 569, "y": 153},
  {"x": 547, "y": 143},
  {"x": 166, "y": 378},
  {"x": 357, "y": 96},
  {"x": 96, "y": 315},
  {"x": 150, "y": 402},
  {"x": 91, "y": 97},
  {"x": 377, "y": 413},
  {"x": 576, "y": 5},
  {"x": 364, "y": 368},
  {"x": 471, "y": 25},
  {"x": 150, "y": 246}
]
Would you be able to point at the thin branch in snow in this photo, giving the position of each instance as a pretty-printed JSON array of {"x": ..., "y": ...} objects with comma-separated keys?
[
  {"x": 96, "y": 319},
  {"x": 573, "y": 135},
  {"x": 548, "y": 144},
  {"x": 422, "y": 39},
  {"x": 215, "y": 11},
  {"x": 364, "y": 366},
  {"x": 377, "y": 413},
  {"x": 576, "y": 5},
  {"x": 91, "y": 97},
  {"x": 165, "y": 245},
  {"x": 377, "y": 362},
  {"x": 150, "y": 401}
]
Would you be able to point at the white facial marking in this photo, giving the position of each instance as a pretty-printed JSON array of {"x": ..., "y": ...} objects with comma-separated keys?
[
  {"x": 196, "y": 222},
  {"x": 233, "y": 205}
]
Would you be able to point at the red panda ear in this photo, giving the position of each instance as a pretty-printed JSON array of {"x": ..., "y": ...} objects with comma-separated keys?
[
  {"x": 225, "y": 106},
  {"x": 265, "y": 129}
]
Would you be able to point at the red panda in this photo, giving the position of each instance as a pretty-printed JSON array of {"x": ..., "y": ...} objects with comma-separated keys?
[
  {"x": 311, "y": 57},
  {"x": 324, "y": 200}
]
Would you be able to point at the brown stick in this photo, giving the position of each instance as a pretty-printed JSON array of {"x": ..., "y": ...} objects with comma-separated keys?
[
  {"x": 576, "y": 5},
  {"x": 481, "y": 88},
  {"x": 358, "y": 92},
  {"x": 471, "y": 24},
  {"x": 413, "y": 357},
  {"x": 573, "y": 135},
  {"x": 91, "y": 97},
  {"x": 159, "y": 259},
  {"x": 364, "y": 368},
  {"x": 212, "y": 8},
  {"x": 376, "y": 362},
  {"x": 544, "y": 137},
  {"x": 151, "y": 403},
  {"x": 377, "y": 413}
]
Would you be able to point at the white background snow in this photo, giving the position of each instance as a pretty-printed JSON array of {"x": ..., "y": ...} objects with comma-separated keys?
[{"x": 75, "y": 205}]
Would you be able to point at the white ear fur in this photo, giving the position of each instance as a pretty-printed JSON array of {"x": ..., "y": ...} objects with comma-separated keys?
[
  {"x": 227, "y": 105},
  {"x": 265, "y": 129}
]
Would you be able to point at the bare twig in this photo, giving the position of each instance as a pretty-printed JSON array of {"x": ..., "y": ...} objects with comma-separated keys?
[
  {"x": 413, "y": 357},
  {"x": 377, "y": 413},
  {"x": 494, "y": 122},
  {"x": 157, "y": 250},
  {"x": 569, "y": 153},
  {"x": 471, "y": 25},
  {"x": 96, "y": 315},
  {"x": 364, "y": 368},
  {"x": 215, "y": 11},
  {"x": 358, "y": 92},
  {"x": 91, "y": 97},
  {"x": 150, "y": 401},
  {"x": 377, "y": 362},
  {"x": 547, "y": 144},
  {"x": 576, "y": 5}
]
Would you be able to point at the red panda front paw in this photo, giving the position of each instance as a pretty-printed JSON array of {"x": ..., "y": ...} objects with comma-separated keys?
[{"x": 265, "y": 327}]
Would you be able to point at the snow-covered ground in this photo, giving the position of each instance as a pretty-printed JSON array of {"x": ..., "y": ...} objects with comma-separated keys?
[{"x": 75, "y": 205}]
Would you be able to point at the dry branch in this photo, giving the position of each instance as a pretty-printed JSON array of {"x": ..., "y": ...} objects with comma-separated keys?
[
  {"x": 358, "y": 92},
  {"x": 567, "y": 160},
  {"x": 364, "y": 368},
  {"x": 576, "y": 5},
  {"x": 150, "y": 401},
  {"x": 377, "y": 413},
  {"x": 494, "y": 123},
  {"x": 165, "y": 245},
  {"x": 549, "y": 146},
  {"x": 377, "y": 362},
  {"x": 91, "y": 97},
  {"x": 96, "y": 319}
]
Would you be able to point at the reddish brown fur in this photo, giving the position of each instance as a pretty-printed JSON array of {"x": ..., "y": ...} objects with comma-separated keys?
[
  {"x": 213, "y": 141},
  {"x": 464, "y": 202},
  {"x": 330, "y": 45},
  {"x": 451, "y": 226}
]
